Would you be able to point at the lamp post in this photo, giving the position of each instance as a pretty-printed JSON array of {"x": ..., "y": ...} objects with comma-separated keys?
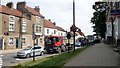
[
  {"x": 33, "y": 37},
  {"x": 74, "y": 30}
]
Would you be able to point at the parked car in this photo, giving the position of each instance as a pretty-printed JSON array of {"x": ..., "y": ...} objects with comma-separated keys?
[
  {"x": 78, "y": 44},
  {"x": 28, "y": 52},
  {"x": 117, "y": 48}
]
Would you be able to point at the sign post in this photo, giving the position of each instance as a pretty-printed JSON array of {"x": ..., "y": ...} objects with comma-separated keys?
[{"x": 68, "y": 37}]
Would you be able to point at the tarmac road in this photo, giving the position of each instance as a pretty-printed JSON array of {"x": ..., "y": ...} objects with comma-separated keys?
[{"x": 96, "y": 55}]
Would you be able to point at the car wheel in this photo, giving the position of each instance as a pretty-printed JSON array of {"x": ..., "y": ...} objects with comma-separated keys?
[
  {"x": 42, "y": 53},
  {"x": 28, "y": 56}
]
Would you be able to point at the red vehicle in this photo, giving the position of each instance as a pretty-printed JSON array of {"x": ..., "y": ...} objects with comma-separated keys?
[{"x": 54, "y": 44}]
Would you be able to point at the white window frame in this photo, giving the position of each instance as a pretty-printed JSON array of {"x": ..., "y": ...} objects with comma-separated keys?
[
  {"x": 24, "y": 25},
  {"x": 54, "y": 31},
  {"x": 47, "y": 31},
  {"x": 11, "y": 41},
  {"x": 38, "y": 28},
  {"x": 11, "y": 23}
]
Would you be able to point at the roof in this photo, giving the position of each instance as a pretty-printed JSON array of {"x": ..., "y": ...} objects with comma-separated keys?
[
  {"x": 33, "y": 11},
  {"x": 49, "y": 24},
  {"x": 60, "y": 28},
  {"x": 81, "y": 33},
  {"x": 6, "y": 10}
]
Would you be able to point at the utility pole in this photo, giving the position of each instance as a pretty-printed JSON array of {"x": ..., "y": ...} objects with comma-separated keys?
[
  {"x": 20, "y": 30},
  {"x": 74, "y": 23},
  {"x": 33, "y": 37}
]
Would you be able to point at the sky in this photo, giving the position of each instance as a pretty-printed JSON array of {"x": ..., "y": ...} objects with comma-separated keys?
[{"x": 61, "y": 12}]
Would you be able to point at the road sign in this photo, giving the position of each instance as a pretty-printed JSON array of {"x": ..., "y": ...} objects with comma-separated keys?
[{"x": 68, "y": 35}]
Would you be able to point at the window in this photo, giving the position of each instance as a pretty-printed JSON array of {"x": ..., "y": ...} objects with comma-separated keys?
[
  {"x": 61, "y": 34},
  {"x": 11, "y": 27},
  {"x": 23, "y": 25},
  {"x": 40, "y": 40},
  {"x": 11, "y": 18},
  {"x": 54, "y": 31},
  {"x": 37, "y": 47},
  {"x": 23, "y": 40},
  {"x": 11, "y": 23},
  {"x": 47, "y": 31},
  {"x": 37, "y": 28},
  {"x": 10, "y": 41}
]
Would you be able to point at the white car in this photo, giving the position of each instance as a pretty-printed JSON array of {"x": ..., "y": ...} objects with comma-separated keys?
[{"x": 28, "y": 52}]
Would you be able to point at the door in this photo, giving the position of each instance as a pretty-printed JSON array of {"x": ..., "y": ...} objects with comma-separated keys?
[
  {"x": 1, "y": 43},
  {"x": 17, "y": 43}
]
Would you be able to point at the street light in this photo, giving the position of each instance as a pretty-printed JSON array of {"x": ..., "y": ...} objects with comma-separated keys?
[{"x": 73, "y": 28}]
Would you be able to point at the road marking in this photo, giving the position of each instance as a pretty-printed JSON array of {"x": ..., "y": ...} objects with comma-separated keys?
[{"x": 20, "y": 59}]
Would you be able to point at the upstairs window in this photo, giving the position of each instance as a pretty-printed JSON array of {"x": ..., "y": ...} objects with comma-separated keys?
[
  {"x": 47, "y": 31},
  {"x": 11, "y": 23},
  {"x": 23, "y": 25},
  {"x": 37, "y": 28},
  {"x": 54, "y": 31}
]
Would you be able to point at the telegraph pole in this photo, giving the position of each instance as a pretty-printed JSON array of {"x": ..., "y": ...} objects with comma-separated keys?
[
  {"x": 74, "y": 23},
  {"x": 33, "y": 37}
]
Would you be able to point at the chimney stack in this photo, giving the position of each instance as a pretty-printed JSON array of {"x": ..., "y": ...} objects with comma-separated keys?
[
  {"x": 21, "y": 5},
  {"x": 49, "y": 20},
  {"x": 54, "y": 23},
  {"x": 9, "y": 4},
  {"x": 37, "y": 9}
]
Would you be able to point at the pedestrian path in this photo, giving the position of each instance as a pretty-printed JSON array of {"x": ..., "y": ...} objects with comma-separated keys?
[{"x": 96, "y": 55}]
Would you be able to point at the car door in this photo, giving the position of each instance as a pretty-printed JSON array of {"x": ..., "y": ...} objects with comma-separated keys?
[{"x": 37, "y": 50}]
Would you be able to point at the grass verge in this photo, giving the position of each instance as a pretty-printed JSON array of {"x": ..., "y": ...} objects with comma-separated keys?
[{"x": 51, "y": 62}]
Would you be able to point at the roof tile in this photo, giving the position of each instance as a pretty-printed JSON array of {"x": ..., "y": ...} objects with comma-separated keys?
[{"x": 6, "y": 10}]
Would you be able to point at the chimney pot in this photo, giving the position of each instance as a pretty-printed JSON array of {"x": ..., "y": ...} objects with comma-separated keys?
[
  {"x": 49, "y": 20},
  {"x": 37, "y": 8},
  {"x": 54, "y": 23}
]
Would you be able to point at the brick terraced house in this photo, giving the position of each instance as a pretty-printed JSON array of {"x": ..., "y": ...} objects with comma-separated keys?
[{"x": 19, "y": 26}]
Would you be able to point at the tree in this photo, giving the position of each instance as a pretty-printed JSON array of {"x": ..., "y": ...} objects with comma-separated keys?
[{"x": 99, "y": 18}]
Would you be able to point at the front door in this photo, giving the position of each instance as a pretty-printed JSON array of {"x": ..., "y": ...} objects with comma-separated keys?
[
  {"x": 17, "y": 43},
  {"x": 1, "y": 43}
]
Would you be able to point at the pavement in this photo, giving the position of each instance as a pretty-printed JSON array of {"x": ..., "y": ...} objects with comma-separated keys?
[
  {"x": 97, "y": 55},
  {"x": 9, "y": 51}
]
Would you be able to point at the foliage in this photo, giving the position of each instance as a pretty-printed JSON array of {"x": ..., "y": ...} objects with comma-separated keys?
[{"x": 99, "y": 18}]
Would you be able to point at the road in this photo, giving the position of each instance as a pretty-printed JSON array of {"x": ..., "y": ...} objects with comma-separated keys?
[
  {"x": 11, "y": 59},
  {"x": 96, "y": 55}
]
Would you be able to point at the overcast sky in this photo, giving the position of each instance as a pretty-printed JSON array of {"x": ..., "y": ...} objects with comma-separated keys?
[{"x": 60, "y": 11}]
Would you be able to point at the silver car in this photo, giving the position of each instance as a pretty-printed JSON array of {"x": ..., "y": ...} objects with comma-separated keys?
[{"x": 28, "y": 52}]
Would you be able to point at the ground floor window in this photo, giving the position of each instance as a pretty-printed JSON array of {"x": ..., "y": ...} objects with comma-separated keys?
[
  {"x": 40, "y": 40},
  {"x": 23, "y": 40},
  {"x": 11, "y": 41}
]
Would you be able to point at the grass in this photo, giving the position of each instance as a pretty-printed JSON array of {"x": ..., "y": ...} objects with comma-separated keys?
[{"x": 51, "y": 62}]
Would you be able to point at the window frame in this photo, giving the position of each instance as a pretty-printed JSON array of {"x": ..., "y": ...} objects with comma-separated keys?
[{"x": 11, "y": 41}]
